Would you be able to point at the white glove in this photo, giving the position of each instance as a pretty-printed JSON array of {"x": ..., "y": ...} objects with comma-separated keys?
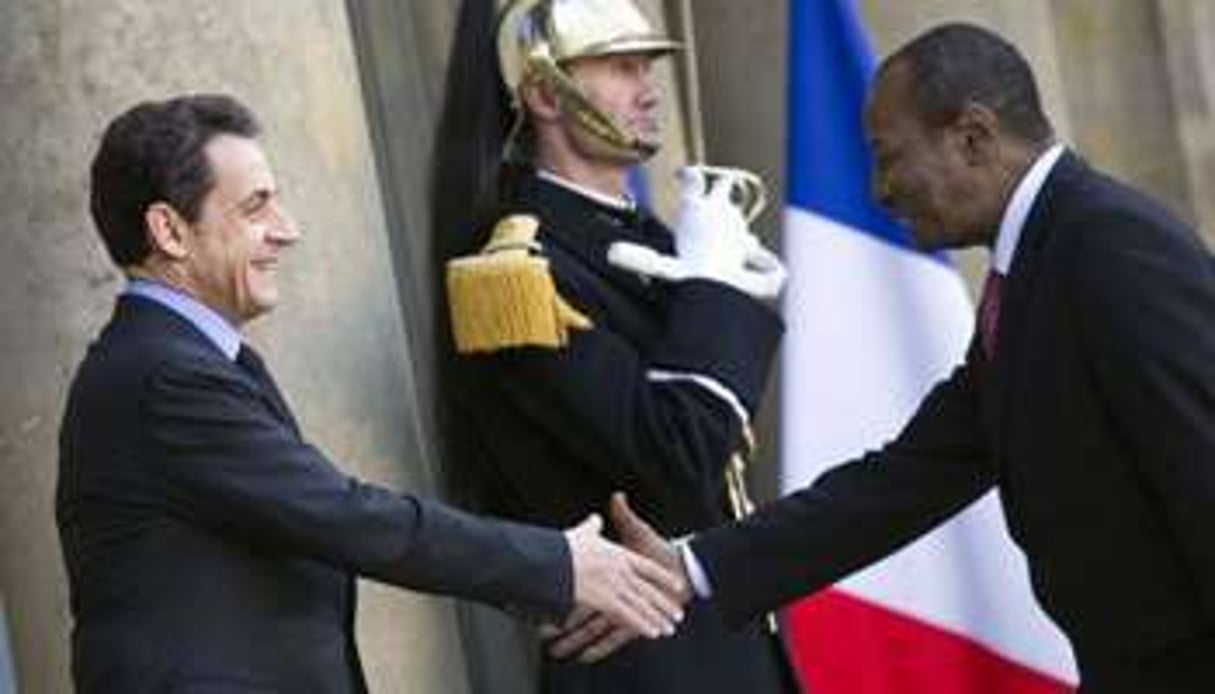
[{"x": 711, "y": 242}]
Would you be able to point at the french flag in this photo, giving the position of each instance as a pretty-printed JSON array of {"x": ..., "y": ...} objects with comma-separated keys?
[{"x": 872, "y": 324}]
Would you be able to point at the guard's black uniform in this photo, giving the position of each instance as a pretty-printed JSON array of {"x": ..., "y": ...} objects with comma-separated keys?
[{"x": 554, "y": 432}]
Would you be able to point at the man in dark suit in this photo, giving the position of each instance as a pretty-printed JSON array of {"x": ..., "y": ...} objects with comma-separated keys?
[
  {"x": 1086, "y": 397},
  {"x": 209, "y": 548}
]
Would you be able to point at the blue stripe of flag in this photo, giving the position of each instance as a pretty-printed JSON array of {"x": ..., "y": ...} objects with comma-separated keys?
[{"x": 830, "y": 67}]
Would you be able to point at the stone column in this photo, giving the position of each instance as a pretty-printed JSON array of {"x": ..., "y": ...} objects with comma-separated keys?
[
  {"x": 741, "y": 56},
  {"x": 337, "y": 345},
  {"x": 743, "y": 75},
  {"x": 1190, "y": 53},
  {"x": 1120, "y": 94}
]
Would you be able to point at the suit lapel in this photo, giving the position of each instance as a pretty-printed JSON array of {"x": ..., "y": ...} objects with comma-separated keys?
[
  {"x": 1013, "y": 362},
  {"x": 147, "y": 319}
]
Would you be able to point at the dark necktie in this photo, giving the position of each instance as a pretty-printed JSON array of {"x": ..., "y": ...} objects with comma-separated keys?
[
  {"x": 252, "y": 364},
  {"x": 989, "y": 313}
]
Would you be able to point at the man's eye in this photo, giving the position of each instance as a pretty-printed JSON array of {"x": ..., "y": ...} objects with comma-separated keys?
[{"x": 255, "y": 205}]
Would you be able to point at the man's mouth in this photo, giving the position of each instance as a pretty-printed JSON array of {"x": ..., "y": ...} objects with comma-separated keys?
[{"x": 646, "y": 125}]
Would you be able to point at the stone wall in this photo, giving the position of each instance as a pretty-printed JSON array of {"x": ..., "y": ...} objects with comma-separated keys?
[{"x": 337, "y": 344}]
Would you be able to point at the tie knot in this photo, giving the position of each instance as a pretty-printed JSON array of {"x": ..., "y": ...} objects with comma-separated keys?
[
  {"x": 246, "y": 357},
  {"x": 251, "y": 362}
]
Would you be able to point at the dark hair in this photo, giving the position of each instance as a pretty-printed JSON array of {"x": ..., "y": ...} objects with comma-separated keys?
[
  {"x": 154, "y": 153},
  {"x": 955, "y": 64}
]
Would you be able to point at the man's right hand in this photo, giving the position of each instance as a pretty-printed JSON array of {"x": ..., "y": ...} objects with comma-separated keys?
[
  {"x": 636, "y": 595},
  {"x": 640, "y": 537},
  {"x": 592, "y": 636}
]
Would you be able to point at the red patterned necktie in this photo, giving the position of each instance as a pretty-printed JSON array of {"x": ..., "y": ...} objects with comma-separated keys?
[{"x": 989, "y": 313}]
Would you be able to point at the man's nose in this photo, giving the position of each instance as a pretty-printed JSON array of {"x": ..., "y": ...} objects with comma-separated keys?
[
  {"x": 283, "y": 228},
  {"x": 651, "y": 90}
]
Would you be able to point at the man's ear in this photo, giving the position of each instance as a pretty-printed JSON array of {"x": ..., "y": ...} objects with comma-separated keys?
[
  {"x": 166, "y": 230},
  {"x": 541, "y": 101},
  {"x": 977, "y": 129}
]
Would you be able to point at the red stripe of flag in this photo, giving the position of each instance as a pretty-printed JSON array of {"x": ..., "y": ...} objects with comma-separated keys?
[{"x": 842, "y": 645}]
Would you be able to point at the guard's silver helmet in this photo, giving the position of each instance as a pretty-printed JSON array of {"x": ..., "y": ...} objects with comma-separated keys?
[{"x": 537, "y": 37}]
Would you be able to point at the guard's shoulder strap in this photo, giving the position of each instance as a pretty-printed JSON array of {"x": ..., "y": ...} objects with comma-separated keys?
[{"x": 504, "y": 295}]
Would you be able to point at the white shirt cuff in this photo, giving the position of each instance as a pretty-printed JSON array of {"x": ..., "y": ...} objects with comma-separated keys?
[{"x": 691, "y": 566}]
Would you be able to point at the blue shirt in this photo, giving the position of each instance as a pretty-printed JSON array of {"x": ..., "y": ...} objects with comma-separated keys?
[{"x": 218, "y": 330}]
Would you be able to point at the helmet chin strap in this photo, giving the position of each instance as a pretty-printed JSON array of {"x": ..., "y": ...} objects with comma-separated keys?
[
  {"x": 602, "y": 137},
  {"x": 606, "y": 137}
]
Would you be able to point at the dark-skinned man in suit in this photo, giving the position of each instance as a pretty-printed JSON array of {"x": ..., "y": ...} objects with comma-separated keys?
[{"x": 1087, "y": 397}]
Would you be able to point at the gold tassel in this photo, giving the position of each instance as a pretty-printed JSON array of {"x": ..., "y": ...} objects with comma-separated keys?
[
  {"x": 741, "y": 505},
  {"x": 504, "y": 296}
]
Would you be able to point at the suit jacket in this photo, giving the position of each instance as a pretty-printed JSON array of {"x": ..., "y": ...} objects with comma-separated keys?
[
  {"x": 210, "y": 549},
  {"x": 551, "y": 434},
  {"x": 1095, "y": 421}
]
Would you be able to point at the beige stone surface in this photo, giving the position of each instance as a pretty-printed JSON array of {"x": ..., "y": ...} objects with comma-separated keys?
[
  {"x": 743, "y": 75},
  {"x": 1027, "y": 23},
  {"x": 337, "y": 344},
  {"x": 1190, "y": 51},
  {"x": 1119, "y": 95}
]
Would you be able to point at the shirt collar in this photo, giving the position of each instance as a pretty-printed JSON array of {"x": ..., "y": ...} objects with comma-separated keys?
[
  {"x": 625, "y": 203},
  {"x": 218, "y": 330},
  {"x": 1019, "y": 206}
]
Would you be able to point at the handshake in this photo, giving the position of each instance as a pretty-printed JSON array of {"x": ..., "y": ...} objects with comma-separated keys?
[
  {"x": 712, "y": 238},
  {"x": 619, "y": 594}
]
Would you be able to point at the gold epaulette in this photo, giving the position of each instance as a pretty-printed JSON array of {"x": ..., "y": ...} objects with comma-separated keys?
[{"x": 504, "y": 296}]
